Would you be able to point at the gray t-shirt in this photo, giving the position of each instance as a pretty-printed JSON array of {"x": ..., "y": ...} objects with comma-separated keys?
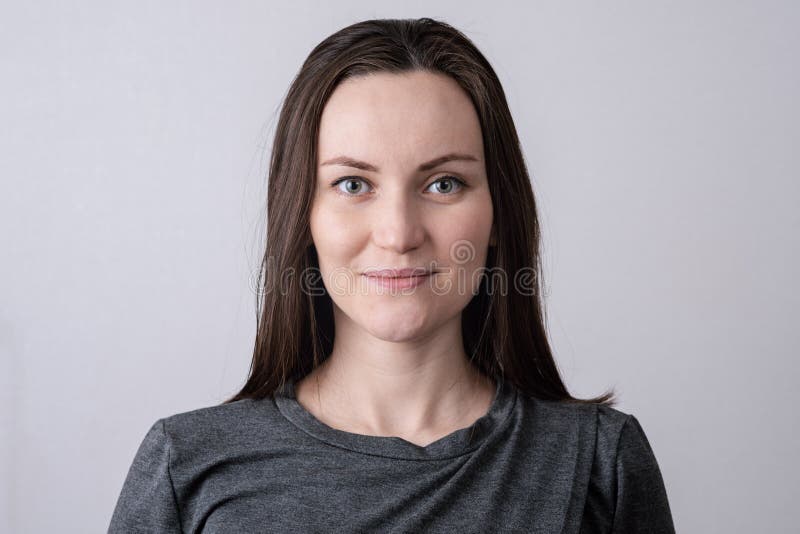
[{"x": 269, "y": 465}]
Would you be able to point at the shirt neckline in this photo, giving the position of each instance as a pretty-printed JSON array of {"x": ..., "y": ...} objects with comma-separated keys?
[{"x": 457, "y": 443}]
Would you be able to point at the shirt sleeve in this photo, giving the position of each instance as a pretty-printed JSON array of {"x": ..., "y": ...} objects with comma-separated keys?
[
  {"x": 147, "y": 501},
  {"x": 641, "y": 500}
]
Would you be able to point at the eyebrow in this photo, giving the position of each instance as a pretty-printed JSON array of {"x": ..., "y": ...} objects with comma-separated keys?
[{"x": 347, "y": 161}]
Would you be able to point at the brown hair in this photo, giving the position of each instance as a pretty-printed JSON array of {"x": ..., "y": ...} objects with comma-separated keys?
[{"x": 504, "y": 332}]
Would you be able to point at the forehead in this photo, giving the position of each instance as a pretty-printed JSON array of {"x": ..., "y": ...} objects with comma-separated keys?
[{"x": 388, "y": 117}]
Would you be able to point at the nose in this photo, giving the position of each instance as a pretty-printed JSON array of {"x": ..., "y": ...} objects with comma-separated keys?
[{"x": 397, "y": 225}]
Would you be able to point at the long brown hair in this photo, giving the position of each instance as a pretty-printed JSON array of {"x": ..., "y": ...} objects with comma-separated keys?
[{"x": 504, "y": 332}]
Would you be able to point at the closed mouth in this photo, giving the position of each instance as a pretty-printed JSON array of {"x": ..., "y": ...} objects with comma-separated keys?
[{"x": 398, "y": 273}]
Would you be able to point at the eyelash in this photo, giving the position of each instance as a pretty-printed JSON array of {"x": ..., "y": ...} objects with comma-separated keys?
[{"x": 460, "y": 182}]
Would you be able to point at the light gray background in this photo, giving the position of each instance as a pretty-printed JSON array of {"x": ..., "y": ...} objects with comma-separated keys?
[{"x": 662, "y": 138}]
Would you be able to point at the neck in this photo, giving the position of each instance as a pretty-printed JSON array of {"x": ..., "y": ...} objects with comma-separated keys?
[{"x": 419, "y": 391}]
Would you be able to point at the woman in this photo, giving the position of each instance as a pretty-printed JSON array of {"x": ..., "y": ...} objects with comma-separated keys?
[{"x": 402, "y": 379}]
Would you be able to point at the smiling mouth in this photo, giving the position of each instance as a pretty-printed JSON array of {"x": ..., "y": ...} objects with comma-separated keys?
[
  {"x": 399, "y": 282},
  {"x": 398, "y": 273}
]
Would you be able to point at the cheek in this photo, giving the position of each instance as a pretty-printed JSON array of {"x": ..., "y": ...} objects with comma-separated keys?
[
  {"x": 335, "y": 234},
  {"x": 466, "y": 233},
  {"x": 468, "y": 224}
]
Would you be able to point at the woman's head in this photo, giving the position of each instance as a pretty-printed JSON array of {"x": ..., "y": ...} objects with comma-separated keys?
[
  {"x": 395, "y": 94},
  {"x": 400, "y": 184}
]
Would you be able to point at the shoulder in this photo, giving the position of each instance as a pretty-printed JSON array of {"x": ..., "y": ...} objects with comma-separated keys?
[
  {"x": 621, "y": 441},
  {"x": 625, "y": 490},
  {"x": 178, "y": 448},
  {"x": 216, "y": 431},
  {"x": 211, "y": 420},
  {"x": 611, "y": 430},
  {"x": 600, "y": 420},
  {"x": 610, "y": 441},
  {"x": 607, "y": 422},
  {"x": 611, "y": 425}
]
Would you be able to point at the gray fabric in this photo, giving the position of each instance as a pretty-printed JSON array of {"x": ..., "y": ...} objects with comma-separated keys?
[{"x": 270, "y": 466}]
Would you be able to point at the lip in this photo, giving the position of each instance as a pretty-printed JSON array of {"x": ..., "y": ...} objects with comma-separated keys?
[
  {"x": 415, "y": 272},
  {"x": 399, "y": 282}
]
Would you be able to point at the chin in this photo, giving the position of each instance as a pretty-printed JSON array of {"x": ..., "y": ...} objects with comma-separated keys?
[
  {"x": 396, "y": 329},
  {"x": 397, "y": 335}
]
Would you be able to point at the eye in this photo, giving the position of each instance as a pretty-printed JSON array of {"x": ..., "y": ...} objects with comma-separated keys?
[
  {"x": 351, "y": 185},
  {"x": 354, "y": 186},
  {"x": 448, "y": 190}
]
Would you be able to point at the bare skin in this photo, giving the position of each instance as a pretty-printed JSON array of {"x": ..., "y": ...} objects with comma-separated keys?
[
  {"x": 398, "y": 366},
  {"x": 470, "y": 402}
]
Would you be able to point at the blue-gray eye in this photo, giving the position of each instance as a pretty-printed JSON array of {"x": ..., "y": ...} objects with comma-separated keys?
[
  {"x": 458, "y": 184},
  {"x": 353, "y": 185}
]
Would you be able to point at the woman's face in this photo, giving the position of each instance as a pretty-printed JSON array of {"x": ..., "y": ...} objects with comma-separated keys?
[{"x": 382, "y": 201}]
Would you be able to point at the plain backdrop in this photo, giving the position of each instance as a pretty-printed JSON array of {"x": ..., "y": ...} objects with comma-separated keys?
[{"x": 662, "y": 141}]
